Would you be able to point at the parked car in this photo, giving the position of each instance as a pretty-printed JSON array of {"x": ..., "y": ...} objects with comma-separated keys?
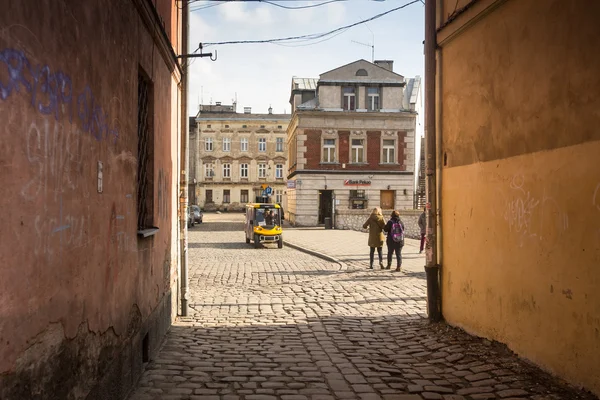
[
  {"x": 197, "y": 214},
  {"x": 190, "y": 218}
]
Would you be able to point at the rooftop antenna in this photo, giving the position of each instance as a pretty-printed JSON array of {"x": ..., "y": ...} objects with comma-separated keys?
[{"x": 371, "y": 45}]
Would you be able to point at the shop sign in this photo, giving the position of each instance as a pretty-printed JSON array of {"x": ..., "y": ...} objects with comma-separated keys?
[
  {"x": 291, "y": 184},
  {"x": 357, "y": 182}
]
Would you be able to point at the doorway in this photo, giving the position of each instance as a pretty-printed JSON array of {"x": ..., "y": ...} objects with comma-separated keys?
[
  {"x": 387, "y": 199},
  {"x": 325, "y": 205}
]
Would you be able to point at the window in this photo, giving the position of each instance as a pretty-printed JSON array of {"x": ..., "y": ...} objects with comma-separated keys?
[
  {"x": 244, "y": 144},
  {"x": 145, "y": 152},
  {"x": 349, "y": 99},
  {"x": 244, "y": 171},
  {"x": 208, "y": 126},
  {"x": 226, "y": 144},
  {"x": 373, "y": 99},
  {"x": 279, "y": 144},
  {"x": 209, "y": 197},
  {"x": 388, "y": 152},
  {"x": 244, "y": 196},
  {"x": 244, "y": 126},
  {"x": 262, "y": 127},
  {"x": 226, "y": 170},
  {"x": 226, "y": 196},
  {"x": 226, "y": 126},
  {"x": 208, "y": 144},
  {"x": 262, "y": 144},
  {"x": 279, "y": 171},
  {"x": 362, "y": 72},
  {"x": 357, "y": 194},
  {"x": 209, "y": 170},
  {"x": 358, "y": 150},
  {"x": 262, "y": 170},
  {"x": 279, "y": 126},
  {"x": 329, "y": 150},
  {"x": 278, "y": 196}
]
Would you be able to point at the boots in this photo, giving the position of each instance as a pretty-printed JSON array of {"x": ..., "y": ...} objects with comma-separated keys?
[
  {"x": 388, "y": 266},
  {"x": 371, "y": 265},
  {"x": 398, "y": 268},
  {"x": 381, "y": 265}
]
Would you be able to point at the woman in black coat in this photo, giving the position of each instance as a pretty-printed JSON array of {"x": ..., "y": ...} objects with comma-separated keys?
[{"x": 392, "y": 245}]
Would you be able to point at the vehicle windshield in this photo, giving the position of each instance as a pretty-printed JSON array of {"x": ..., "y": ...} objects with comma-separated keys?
[{"x": 267, "y": 217}]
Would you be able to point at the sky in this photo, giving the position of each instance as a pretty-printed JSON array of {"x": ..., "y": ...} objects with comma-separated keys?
[{"x": 259, "y": 75}]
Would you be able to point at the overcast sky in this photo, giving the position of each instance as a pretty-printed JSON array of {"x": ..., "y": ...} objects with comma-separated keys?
[{"x": 260, "y": 74}]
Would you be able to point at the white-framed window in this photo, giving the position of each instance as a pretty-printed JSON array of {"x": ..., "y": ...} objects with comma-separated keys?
[
  {"x": 279, "y": 171},
  {"x": 389, "y": 149},
  {"x": 279, "y": 196},
  {"x": 279, "y": 144},
  {"x": 262, "y": 170},
  {"x": 227, "y": 170},
  {"x": 209, "y": 170},
  {"x": 373, "y": 99},
  {"x": 244, "y": 198},
  {"x": 349, "y": 98},
  {"x": 328, "y": 150},
  {"x": 208, "y": 144},
  {"x": 226, "y": 196},
  {"x": 226, "y": 144},
  {"x": 244, "y": 144},
  {"x": 262, "y": 144},
  {"x": 244, "y": 171},
  {"x": 357, "y": 151}
]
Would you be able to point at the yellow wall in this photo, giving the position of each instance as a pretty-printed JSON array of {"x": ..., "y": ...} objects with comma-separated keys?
[{"x": 520, "y": 205}]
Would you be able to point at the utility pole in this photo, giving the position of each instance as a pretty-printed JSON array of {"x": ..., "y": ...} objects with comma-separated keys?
[
  {"x": 431, "y": 268},
  {"x": 183, "y": 177}
]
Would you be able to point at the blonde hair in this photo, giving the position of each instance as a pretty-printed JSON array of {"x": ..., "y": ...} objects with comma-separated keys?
[{"x": 376, "y": 211}]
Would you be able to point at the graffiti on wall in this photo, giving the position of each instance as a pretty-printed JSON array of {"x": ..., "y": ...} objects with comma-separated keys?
[{"x": 51, "y": 93}]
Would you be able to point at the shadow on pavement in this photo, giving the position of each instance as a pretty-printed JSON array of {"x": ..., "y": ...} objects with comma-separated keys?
[
  {"x": 218, "y": 227},
  {"x": 336, "y": 356},
  {"x": 224, "y": 246}
]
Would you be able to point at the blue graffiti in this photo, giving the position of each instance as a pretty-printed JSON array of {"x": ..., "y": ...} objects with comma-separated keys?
[{"x": 50, "y": 91}]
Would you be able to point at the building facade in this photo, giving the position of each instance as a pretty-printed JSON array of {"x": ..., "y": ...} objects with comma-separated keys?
[
  {"x": 89, "y": 104},
  {"x": 239, "y": 158},
  {"x": 517, "y": 88},
  {"x": 351, "y": 144}
]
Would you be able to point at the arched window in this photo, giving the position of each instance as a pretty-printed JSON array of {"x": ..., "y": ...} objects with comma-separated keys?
[{"x": 362, "y": 72}]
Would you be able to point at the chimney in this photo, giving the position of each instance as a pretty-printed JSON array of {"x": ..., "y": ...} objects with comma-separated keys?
[
  {"x": 247, "y": 110},
  {"x": 270, "y": 110},
  {"x": 387, "y": 64}
]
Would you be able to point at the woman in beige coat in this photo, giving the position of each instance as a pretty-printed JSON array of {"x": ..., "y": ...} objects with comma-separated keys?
[{"x": 375, "y": 225}]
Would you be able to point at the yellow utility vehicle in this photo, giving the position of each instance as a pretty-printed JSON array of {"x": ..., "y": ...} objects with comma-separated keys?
[{"x": 264, "y": 224}]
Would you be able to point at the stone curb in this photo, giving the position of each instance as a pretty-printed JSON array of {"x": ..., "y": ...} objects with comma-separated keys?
[{"x": 325, "y": 257}]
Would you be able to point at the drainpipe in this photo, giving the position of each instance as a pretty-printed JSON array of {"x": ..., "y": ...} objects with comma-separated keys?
[
  {"x": 432, "y": 267},
  {"x": 183, "y": 179}
]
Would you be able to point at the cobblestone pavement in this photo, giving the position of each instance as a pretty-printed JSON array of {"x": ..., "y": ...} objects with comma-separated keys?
[{"x": 281, "y": 324}]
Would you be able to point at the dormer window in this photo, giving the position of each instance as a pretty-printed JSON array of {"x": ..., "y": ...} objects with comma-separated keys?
[
  {"x": 349, "y": 99},
  {"x": 362, "y": 72}
]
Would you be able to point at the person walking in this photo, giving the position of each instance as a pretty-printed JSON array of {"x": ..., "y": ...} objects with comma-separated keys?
[
  {"x": 395, "y": 239},
  {"x": 375, "y": 225},
  {"x": 422, "y": 226}
]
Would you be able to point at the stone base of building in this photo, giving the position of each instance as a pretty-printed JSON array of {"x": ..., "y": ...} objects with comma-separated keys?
[
  {"x": 354, "y": 220},
  {"x": 92, "y": 365}
]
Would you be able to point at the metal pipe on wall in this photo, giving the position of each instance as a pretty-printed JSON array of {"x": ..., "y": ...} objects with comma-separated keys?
[
  {"x": 183, "y": 177},
  {"x": 431, "y": 268}
]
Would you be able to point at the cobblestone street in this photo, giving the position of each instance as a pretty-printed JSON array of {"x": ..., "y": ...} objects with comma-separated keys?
[{"x": 274, "y": 323}]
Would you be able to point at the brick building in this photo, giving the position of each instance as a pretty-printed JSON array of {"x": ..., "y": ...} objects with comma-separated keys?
[
  {"x": 351, "y": 144},
  {"x": 89, "y": 104},
  {"x": 234, "y": 156}
]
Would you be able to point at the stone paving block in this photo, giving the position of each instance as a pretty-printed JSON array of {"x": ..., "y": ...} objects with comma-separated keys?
[{"x": 279, "y": 322}]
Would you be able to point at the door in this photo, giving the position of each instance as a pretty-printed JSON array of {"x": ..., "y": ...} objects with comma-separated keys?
[
  {"x": 387, "y": 199},
  {"x": 325, "y": 205}
]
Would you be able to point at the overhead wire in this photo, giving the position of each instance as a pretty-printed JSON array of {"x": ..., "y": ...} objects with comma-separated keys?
[{"x": 313, "y": 36}]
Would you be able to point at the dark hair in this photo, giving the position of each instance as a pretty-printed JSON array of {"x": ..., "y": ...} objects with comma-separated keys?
[{"x": 395, "y": 214}]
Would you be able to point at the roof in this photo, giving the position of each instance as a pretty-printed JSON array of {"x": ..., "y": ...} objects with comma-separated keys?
[
  {"x": 241, "y": 117},
  {"x": 304, "y": 83},
  {"x": 411, "y": 92},
  {"x": 309, "y": 105},
  {"x": 361, "y": 61}
]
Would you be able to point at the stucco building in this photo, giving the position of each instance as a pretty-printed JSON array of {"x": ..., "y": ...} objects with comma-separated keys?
[
  {"x": 236, "y": 156},
  {"x": 89, "y": 169},
  {"x": 351, "y": 144},
  {"x": 518, "y": 84}
]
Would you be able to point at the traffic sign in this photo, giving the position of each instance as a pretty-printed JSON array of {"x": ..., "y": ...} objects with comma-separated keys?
[{"x": 269, "y": 190}]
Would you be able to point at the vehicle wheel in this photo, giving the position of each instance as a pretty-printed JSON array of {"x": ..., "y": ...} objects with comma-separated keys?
[
  {"x": 280, "y": 243},
  {"x": 256, "y": 242},
  {"x": 247, "y": 241}
]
